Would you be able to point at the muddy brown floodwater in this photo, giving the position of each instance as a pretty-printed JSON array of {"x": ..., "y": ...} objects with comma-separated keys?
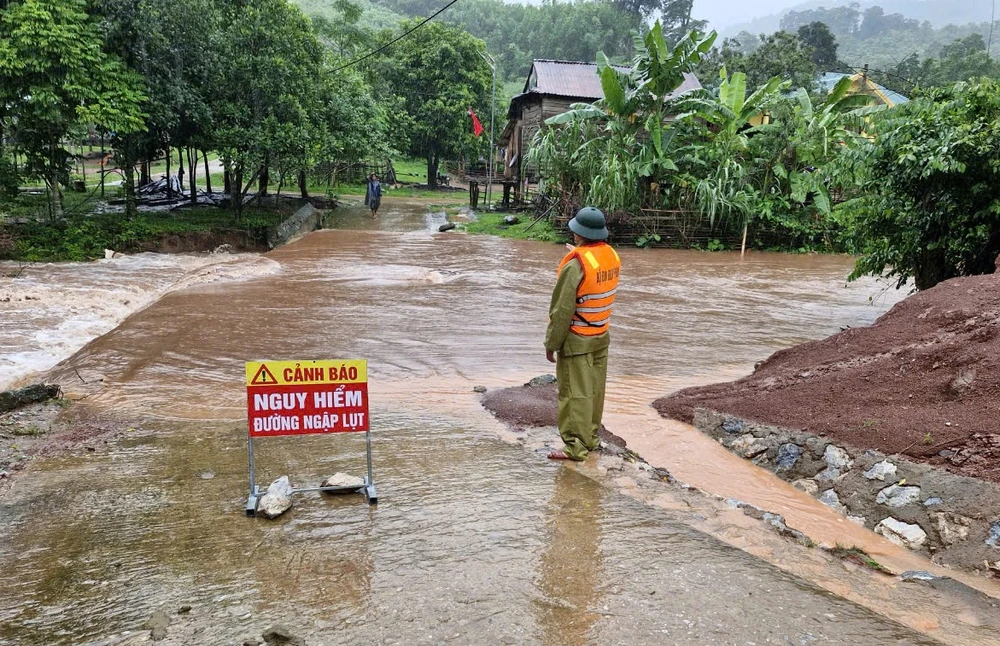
[{"x": 475, "y": 539}]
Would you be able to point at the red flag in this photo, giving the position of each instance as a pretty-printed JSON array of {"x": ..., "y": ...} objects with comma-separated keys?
[{"x": 477, "y": 128}]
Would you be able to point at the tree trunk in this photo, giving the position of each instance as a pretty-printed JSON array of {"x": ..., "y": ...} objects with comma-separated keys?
[
  {"x": 208, "y": 175},
  {"x": 931, "y": 268},
  {"x": 170, "y": 191},
  {"x": 103, "y": 155},
  {"x": 144, "y": 172},
  {"x": 128, "y": 182},
  {"x": 432, "y": 170},
  {"x": 237, "y": 195},
  {"x": 227, "y": 181},
  {"x": 55, "y": 192},
  {"x": 193, "y": 167},
  {"x": 265, "y": 177},
  {"x": 281, "y": 183},
  {"x": 302, "y": 185},
  {"x": 180, "y": 168}
]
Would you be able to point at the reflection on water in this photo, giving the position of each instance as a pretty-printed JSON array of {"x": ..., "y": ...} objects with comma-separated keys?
[
  {"x": 571, "y": 562},
  {"x": 474, "y": 541}
]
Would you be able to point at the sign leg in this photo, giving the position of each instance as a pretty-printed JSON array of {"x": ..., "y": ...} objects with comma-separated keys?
[
  {"x": 252, "y": 499},
  {"x": 370, "y": 493}
]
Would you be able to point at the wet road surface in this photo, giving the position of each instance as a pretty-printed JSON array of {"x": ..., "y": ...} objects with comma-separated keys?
[{"x": 475, "y": 540}]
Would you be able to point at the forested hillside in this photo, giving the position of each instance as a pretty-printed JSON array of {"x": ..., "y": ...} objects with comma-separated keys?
[
  {"x": 515, "y": 34},
  {"x": 938, "y": 14}
]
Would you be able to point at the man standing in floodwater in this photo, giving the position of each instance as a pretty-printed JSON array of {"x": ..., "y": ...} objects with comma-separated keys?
[
  {"x": 577, "y": 338},
  {"x": 373, "y": 196}
]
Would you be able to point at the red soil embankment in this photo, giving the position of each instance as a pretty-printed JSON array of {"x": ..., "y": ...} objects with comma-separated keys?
[{"x": 923, "y": 381}]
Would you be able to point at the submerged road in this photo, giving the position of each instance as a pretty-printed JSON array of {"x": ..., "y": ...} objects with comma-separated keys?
[{"x": 475, "y": 540}]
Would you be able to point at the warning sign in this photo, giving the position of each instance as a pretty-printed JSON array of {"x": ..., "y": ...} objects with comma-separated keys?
[
  {"x": 263, "y": 376},
  {"x": 302, "y": 397}
]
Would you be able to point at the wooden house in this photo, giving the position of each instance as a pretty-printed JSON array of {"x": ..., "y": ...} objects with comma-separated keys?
[{"x": 550, "y": 89}]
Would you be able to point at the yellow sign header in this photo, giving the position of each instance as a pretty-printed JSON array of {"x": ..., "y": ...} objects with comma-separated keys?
[{"x": 288, "y": 373}]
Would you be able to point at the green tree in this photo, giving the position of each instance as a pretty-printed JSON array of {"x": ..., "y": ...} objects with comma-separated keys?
[
  {"x": 516, "y": 33},
  {"x": 54, "y": 76},
  {"x": 818, "y": 37},
  {"x": 613, "y": 151},
  {"x": 842, "y": 21},
  {"x": 266, "y": 91},
  {"x": 439, "y": 73},
  {"x": 925, "y": 202},
  {"x": 342, "y": 28},
  {"x": 172, "y": 45},
  {"x": 676, "y": 20},
  {"x": 961, "y": 60},
  {"x": 781, "y": 54}
]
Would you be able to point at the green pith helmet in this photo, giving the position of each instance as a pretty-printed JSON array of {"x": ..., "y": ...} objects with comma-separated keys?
[{"x": 589, "y": 223}]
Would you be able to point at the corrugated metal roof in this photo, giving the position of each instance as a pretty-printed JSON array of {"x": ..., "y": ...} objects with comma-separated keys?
[
  {"x": 579, "y": 80},
  {"x": 828, "y": 80}
]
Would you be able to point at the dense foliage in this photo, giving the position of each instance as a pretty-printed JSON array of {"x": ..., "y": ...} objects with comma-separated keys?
[
  {"x": 54, "y": 77},
  {"x": 925, "y": 201},
  {"x": 255, "y": 81},
  {"x": 515, "y": 34},
  {"x": 731, "y": 156},
  {"x": 780, "y": 54},
  {"x": 438, "y": 75},
  {"x": 901, "y": 51}
]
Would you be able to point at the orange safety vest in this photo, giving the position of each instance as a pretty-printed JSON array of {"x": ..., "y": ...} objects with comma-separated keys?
[{"x": 596, "y": 293}]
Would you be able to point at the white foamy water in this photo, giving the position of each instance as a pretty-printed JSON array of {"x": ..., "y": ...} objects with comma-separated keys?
[{"x": 52, "y": 310}]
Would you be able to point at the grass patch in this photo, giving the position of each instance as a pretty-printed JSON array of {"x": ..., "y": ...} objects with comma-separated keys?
[
  {"x": 857, "y": 555},
  {"x": 83, "y": 235},
  {"x": 493, "y": 224},
  {"x": 412, "y": 170}
]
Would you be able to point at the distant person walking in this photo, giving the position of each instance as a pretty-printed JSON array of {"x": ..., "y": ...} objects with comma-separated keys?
[
  {"x": 373, "y": 196},
  {"x": 577, "y": 338}
]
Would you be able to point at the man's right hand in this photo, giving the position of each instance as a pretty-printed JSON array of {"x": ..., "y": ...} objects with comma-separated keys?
[{"x": 551, "y": 356}]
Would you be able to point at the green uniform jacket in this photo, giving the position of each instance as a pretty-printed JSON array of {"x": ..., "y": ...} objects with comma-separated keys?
[{"x": 558, "y": 338}]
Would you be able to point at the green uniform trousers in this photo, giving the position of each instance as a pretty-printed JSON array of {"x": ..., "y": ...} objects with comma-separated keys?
[{"x": 582, "y": 379}]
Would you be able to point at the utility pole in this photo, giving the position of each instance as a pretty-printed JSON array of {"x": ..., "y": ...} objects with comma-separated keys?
[{"x": 491, "y": 160}]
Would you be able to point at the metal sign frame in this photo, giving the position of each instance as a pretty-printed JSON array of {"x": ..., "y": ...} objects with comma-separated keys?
[{"x": 256, "y": 493}]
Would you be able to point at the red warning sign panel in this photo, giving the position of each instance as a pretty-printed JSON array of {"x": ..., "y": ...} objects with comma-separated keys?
[{"x": 303, "y": 397}]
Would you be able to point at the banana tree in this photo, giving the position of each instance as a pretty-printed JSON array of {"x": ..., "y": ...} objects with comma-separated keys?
[
  {"x": 720, "y": 185},
  {"x": 820, "y": 132},
  {"x": 633, "y": 143}
]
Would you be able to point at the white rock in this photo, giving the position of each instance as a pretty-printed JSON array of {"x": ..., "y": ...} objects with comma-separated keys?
[
  {"x": 902, "y": 534},
  {"x": 880, "y": 470},
  {"x": 952, "y": 528},
  {"x": 343, "y": 480},
  {"x": 857, "y": 520},
  {"x": 109, "y": 254},
  {"x": 896, "y": 496},
  {"x": 837, "y": 458},
  {"x": 747, "y": 446},
  {"x": 832, "y": 500},
  {"x": 807, "y": 485},
  {"x": 277, "y": 500}
]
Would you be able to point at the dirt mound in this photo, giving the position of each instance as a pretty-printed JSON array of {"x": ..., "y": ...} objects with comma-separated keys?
[
  {"x": 532, "y": 406},
  {"x": 923, "y": 381}
]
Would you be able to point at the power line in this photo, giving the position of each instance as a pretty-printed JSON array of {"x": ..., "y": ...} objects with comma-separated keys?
[{"x": 396, "y": 40}]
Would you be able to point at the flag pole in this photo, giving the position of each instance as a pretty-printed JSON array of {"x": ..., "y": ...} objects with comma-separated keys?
[{"x": 491, "y": 160}]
